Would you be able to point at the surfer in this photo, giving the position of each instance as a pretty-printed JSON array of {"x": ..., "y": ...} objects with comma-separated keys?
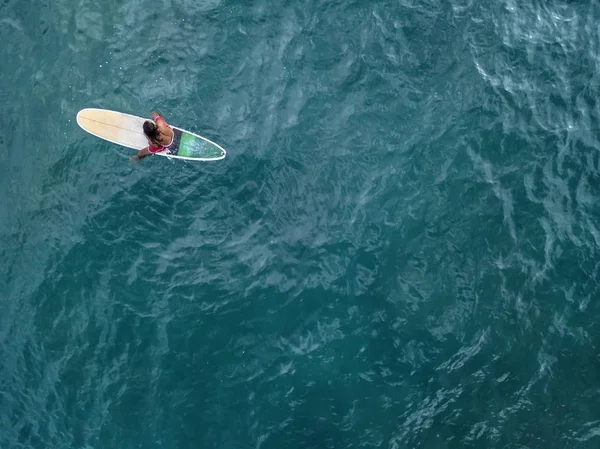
[{"x": 159, "y": 134}]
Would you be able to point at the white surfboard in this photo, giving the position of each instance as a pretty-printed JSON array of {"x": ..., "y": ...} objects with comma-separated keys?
[{"x": 126, "y": 130}]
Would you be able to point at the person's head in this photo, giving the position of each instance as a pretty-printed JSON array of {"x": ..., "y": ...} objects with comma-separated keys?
[{"x": 152, "y": 131}]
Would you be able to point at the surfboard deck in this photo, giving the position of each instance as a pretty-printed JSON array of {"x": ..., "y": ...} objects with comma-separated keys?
[{"x": 126, "y": 130}]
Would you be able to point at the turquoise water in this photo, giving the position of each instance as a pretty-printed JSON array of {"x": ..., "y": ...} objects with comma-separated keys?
[{"x": 401, "y": 249}]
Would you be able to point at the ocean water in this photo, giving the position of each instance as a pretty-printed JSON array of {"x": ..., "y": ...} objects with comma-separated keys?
[{"x": 401, "y": 249}]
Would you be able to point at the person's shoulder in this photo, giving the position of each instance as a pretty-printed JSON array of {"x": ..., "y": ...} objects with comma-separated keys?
[
  {"x": 162, "y": 123},
  {"x": 164, "y": 126}
]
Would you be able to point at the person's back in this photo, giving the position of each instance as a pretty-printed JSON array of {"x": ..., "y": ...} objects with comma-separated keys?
[{"x": 159, "y": 134}]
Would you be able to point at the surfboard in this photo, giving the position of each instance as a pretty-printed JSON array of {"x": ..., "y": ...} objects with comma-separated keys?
[{"x": 126, "y": 130}]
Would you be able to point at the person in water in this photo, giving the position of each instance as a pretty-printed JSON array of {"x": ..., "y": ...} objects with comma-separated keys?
[{"x": 159, "y": 134}]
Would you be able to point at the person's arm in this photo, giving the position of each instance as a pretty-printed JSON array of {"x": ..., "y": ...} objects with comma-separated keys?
[{"x": 141, "y": 154}]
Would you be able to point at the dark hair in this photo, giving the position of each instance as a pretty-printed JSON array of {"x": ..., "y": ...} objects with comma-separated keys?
[{"x": 152, "y": 131}]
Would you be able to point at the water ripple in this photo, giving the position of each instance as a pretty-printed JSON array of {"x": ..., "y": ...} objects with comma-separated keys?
[{"x": 400, "y": 249}]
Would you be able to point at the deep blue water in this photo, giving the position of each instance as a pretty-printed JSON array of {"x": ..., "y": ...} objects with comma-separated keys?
[{"x": 401, "y": 249}]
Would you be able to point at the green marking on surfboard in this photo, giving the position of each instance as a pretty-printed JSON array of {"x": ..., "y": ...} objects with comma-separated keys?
[{"x": 192, "y": 146}]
